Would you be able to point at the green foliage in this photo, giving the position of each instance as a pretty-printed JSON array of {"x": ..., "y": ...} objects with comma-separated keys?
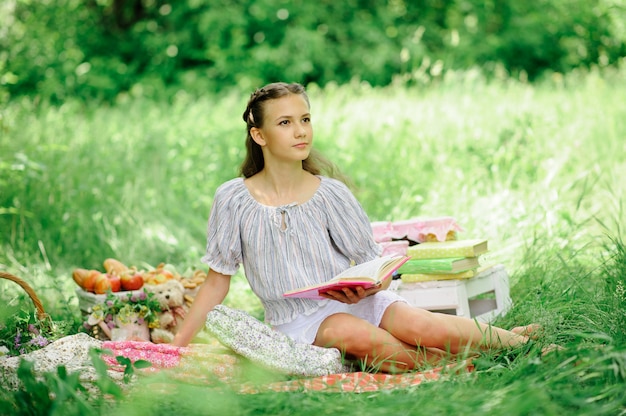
[
  {"x": 101, "y": 48},
  {"x": 48, "y": 394},
  {"x": 60, "y": 392},
  {"x": 615, "y": 299},
  {"x": 22, "y": 331},
  {"x": 118, "y": 170},
  {"x": 115, "y": 308},
  {"x": 133, "y": 181},
  {"x": 536, "y": 169},
  {"x": 129, "y": 366}
]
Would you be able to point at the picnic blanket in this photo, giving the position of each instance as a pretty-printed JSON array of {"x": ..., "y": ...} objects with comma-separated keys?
[{"x": 206, "y": 364}]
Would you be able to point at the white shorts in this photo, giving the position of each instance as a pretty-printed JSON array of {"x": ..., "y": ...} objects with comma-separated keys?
[{"x": 304, "y": 328}]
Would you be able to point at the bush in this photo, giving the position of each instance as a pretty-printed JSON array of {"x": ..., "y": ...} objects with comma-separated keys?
[{"x": 97, "y": 49}]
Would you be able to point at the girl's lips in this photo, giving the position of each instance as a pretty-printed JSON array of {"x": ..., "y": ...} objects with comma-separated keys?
[{"x": 301, "y": 145}]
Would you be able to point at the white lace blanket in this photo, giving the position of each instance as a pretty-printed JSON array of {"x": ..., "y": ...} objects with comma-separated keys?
[{"x": 71, "y": 351}]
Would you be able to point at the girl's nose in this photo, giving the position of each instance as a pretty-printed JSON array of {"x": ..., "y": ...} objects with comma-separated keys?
[{"x": 301, "y": 131}]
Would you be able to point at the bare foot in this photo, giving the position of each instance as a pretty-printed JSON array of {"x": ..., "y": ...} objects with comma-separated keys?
[
  {"x": 551, "y": 348},
  {"x": 532, "y": 331}
]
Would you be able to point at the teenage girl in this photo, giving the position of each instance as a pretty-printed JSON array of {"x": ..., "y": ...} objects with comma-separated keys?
[{"x": 291, "y": 224}]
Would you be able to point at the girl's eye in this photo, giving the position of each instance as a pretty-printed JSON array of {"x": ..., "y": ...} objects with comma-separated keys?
[
  {"x": 306, "y": 120},
  {"x": 284, "y": 122}
]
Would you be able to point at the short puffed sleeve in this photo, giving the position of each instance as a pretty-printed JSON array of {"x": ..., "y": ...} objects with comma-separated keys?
[{"x": 223, "y": 248}]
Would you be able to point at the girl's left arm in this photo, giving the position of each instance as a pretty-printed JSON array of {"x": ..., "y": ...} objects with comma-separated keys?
[{"x": 212, "y": 292}]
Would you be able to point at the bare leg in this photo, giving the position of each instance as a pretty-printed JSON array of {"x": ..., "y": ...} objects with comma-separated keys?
[
  {"x": 379, "y": 349},
  {"x": 410, "y": 337},
  {"x": 451, "y": 333}
]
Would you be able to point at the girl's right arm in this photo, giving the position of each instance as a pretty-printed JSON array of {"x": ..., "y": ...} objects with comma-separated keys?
[{"x": 211, "y": 293}]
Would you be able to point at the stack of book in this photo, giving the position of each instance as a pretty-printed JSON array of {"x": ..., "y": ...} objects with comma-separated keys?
[{"x": 443, "y": 260}]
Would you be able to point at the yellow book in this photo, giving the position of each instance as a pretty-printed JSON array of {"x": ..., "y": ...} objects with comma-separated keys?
[
  {"x": 448, "y": 249},
  {"x": 424, "y": 277}
]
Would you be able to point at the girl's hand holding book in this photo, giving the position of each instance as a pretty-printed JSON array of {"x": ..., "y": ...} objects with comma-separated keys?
[{"x": 351, "y": 295}]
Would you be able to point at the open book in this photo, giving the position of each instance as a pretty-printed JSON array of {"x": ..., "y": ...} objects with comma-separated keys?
[{"x": 369, "y": 274}]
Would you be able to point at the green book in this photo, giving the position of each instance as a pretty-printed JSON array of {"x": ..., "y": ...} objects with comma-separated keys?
[{"x": 439, "y": 266}]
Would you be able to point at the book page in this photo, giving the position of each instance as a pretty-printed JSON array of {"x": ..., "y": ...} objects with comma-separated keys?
[
  {"x": 368, "y": 274},
  {"x": 372, "y": 269}
]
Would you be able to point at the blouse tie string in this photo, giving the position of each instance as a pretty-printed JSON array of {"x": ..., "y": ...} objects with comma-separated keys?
[{"x": 281, "y": 216}]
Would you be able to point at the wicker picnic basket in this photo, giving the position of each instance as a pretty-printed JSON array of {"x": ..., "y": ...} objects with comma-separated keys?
[{"x": 41, "y": 313}]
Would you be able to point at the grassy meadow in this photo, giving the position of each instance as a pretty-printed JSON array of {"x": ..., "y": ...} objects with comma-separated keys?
[{"x": 537, "y": 169}]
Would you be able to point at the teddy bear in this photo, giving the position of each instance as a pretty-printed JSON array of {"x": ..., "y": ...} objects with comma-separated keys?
[{"x": 170, "y": 295}]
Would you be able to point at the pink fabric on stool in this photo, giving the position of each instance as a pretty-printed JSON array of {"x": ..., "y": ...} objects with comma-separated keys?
[
  {"x": 382, "y": 231},
  {"x": 418, "y": 229},
  {"x": 398, "y": 247}
]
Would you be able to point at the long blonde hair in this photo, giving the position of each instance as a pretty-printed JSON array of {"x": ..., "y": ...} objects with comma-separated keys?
[{"x": 254, "y": 162}]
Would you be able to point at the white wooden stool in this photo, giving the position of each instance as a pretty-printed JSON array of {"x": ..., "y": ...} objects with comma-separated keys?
[{"x": 462, "y": 297}]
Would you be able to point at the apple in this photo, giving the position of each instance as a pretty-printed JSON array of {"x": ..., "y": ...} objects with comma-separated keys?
[
  {"x": 131, "y": 280},
  {"x": 116, "y": 282},
  {"x": 102, "y": 284},
  {"x": 90, "y": 280}
]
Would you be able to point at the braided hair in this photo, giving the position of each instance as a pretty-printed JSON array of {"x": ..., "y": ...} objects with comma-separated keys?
[{"x": 254, "y": 117}]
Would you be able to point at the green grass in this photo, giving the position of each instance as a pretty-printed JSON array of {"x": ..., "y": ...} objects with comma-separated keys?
[{"x": 536, "y": 169}]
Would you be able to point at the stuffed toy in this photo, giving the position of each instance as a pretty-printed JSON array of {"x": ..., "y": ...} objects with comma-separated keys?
[{"x": 170, "y": 295}]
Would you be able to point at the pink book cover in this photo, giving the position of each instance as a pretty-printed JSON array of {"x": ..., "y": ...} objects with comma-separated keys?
[{"x": 388, "y": 263}]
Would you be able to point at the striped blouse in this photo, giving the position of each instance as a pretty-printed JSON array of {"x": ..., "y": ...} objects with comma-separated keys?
[{"x": 286, "y": 247}]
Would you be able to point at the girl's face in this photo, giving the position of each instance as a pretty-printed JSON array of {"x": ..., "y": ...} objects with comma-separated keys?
[{"x": 287, "y": 133}]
